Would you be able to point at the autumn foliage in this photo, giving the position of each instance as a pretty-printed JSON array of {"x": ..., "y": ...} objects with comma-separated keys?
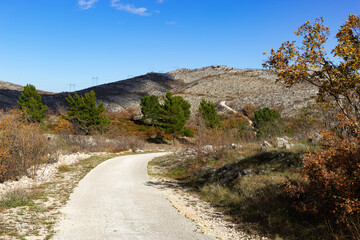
[
  {"x": 22, "y": 146},
  {"x": 336, "y": 75},
  {"x": 332, "y": 175}
]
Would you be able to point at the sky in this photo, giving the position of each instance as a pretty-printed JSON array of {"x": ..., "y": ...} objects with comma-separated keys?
[{"x": 62, "y": 45}]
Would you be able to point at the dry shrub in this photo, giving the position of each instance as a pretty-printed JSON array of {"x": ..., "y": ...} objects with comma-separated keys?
[
  {"x": 249, "y": 109},
  {"x": 130, "y": 113},
  {"x": 22, "y": 146},
  {"x": 213, "y": 143},
  {"x": 153, "y": 133},
  {"x": 312, "y": 118},
  {"x": 114, "y": 115},
  {"x": 101, "y": 143},
  {"x": 332, "y": 175},
  {"x": 239, "y": 126},
  {"x": 64, "y": 127}
]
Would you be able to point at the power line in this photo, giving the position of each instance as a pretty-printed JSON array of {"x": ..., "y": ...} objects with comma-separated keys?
[
  {"x": 72, "y": 86},
  {"x": 94, "y": 80}
]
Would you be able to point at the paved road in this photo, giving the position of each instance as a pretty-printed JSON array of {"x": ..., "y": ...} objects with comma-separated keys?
[{"x": 115, "y": 201}]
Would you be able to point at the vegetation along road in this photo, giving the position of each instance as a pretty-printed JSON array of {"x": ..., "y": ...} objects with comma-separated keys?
[{"x": 116, "y": 201}]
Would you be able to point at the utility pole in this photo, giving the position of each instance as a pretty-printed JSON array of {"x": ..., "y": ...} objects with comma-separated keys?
[
  {"x": 94, "y": 80},
  {"x": 72, "y": 86}
]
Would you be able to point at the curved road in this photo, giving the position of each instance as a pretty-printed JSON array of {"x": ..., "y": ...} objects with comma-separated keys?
[{"x": 116, "y": 201}]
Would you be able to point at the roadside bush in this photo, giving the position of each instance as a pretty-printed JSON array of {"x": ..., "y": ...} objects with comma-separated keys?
[
  {"x": 332, "y": 175},
  {"x": 213, "y": 143},
  {"x": 23, "y": 147},
  {"x": 100, "y": 143}
]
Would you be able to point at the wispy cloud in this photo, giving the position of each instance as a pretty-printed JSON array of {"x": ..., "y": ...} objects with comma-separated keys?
[
  {"x": 170, "y": 23},
  {"x": 129, "y": 8},
  {"x": 160, "y": 1},
  {"x": 86, "y": 4}
]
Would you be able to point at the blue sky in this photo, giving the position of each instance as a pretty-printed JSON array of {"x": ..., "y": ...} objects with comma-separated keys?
[{"x": 54, "y": 43}]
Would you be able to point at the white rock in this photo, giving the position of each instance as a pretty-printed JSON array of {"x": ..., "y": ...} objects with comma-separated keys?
[
  {"x": 281, "y": 142},
  {"x": 266, "y": 144},
  {"x": 208, "y": 149},
  {"x": 236, "y": 146}
]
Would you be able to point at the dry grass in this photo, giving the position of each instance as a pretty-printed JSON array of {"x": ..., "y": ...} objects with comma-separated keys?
[
  {"x": 257, "y": 201},
  {"x": 64, "y": 168}
]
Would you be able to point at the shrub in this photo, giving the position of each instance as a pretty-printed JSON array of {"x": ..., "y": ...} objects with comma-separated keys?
[
  {"x": 248, "y": 110},
  {"x": 85, "y": 114},
  {"x": 15, "y": 198},
  {"x": 268, "y": 123},
  {"x": 31, "y": 104},
  {"x": 64, "y": 126},
  {"x": 22, "y": 145},
  {"x": 187, "y": 132},
  {"x": 209, "y": 114},
  {"x": 64, "y": 168},
  {"x": 332, "y": 175}
]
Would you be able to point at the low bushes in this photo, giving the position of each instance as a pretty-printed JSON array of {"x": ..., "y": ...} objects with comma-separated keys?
[
  {"x": 23, "y": 147},
  {"x": 332, "y": 175}
]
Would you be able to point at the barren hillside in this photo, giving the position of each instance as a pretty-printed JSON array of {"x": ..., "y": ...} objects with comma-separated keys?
[
  {"x": 240, "y": 86},
  {"x": 216, "y": 83}
]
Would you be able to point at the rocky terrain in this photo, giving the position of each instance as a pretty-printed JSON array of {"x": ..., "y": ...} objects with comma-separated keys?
[{"x": 216, "y": 83}]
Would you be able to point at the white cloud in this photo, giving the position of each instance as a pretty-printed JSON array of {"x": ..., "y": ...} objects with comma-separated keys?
[
  {"x": 129, "y": 8},
  {"x": 160, "y": 1},
  {"x": 86, "y": 4}
]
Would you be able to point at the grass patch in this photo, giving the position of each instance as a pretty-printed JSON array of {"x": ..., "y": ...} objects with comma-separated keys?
[
  {"x": 16, "y": 198},
  {"x": 248, "y": 187},
  {"x": 64, "y": 168}
]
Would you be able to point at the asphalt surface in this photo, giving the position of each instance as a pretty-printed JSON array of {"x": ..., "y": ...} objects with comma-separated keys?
[{"x": 117, "y": 201}]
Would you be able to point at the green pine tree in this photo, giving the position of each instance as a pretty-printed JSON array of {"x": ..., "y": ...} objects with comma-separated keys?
[
  {"x": 174, "y": 113},
  {"x": 209, "y": 114},
  {"x": 30, "y": 102},
  {"x": 268, "y": 123},
  {"x": 85, "y": 114},
  {"x": 150, "y": 109}
]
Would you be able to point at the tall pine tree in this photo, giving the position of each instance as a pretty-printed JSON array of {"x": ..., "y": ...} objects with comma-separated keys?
[
  {"x": 31, "y": 104},
  {"x": 174, "y": 113},
  {"x": 150, "y": 109},
  {"x": 85, "y": 114}
]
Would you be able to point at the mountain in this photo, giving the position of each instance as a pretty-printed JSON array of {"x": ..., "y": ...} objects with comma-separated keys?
[{"x": 216, "y": 83}]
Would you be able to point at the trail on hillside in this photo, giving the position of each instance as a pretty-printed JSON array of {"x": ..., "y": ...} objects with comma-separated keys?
[{"x": 116, "y": 201}]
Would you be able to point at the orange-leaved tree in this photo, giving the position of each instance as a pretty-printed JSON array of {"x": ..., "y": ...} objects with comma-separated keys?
[
  {"x": 337, "y": 76},
  {"x": 331, "y": 176}
]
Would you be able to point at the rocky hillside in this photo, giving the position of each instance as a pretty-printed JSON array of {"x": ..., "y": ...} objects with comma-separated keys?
[
  {"x": 216, "y": 83},
  {"x": 241, "y": 86}
]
